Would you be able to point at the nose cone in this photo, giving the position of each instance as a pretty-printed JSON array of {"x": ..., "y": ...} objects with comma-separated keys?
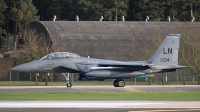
[{"x": 21, "y": 68}]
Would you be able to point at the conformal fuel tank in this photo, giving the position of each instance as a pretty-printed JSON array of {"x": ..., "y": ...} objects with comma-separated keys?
[{"x": 113, "y": 73}]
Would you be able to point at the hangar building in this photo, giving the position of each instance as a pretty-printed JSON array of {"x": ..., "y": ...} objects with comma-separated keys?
[{"x": 105, "y": 39}]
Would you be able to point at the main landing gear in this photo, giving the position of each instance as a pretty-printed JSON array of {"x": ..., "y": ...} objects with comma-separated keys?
[
  {"x": 119, "y": 83},
  {"x": 68, "y": 84}
]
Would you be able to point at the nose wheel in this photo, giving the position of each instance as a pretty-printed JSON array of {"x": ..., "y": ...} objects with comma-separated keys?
[
  {"x": 68, "y": 84},
  {"x": 119, "y": 83}
]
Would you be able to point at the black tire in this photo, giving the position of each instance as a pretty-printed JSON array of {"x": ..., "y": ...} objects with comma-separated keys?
[
  {"x": 69, "y": 85},
  {"x": 120, "y": 83},
  {"x": 115, "y": 83}
]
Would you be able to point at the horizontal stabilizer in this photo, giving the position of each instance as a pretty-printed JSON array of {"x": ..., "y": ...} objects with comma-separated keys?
[{"x": 176, "y": 67}]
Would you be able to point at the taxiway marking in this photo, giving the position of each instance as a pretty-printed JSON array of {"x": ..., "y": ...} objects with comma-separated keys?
[{"x": 132, "y": 89}]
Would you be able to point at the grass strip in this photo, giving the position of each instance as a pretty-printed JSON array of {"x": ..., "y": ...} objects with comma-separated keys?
[{"x": 101, "y": 96}]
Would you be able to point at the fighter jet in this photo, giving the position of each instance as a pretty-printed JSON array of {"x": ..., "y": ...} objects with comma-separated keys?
[{"x": 165, "y": 59}]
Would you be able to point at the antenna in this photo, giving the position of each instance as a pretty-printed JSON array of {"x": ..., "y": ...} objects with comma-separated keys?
[
  {"x": 169, "y": 19},
  {"x": 101, "y": 18},
  {"x": 54, "y": 18},
  {"x": 123, "y": 19},
  {"x": 77, "y": 18},
  {"x": 147, "y": 18}
]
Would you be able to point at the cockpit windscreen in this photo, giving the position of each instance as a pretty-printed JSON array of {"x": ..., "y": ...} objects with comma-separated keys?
[{"x": 59, "y": 55}]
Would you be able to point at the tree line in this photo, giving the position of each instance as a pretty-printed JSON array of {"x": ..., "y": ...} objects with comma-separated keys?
[
  {"x": 113, "y": 10},
  {"x": 15, "y": 14}
]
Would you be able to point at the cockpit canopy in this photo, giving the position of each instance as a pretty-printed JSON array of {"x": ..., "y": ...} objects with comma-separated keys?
[{"x": 59, "y": 55}]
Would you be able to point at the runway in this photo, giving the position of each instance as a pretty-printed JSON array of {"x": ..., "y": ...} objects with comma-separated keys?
[
  {"x": 146, "y": 88},
  {"x": 99, "y": 105}
]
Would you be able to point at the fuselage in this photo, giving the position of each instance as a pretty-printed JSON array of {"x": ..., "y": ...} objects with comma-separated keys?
[{"x": 85, "y": 66}]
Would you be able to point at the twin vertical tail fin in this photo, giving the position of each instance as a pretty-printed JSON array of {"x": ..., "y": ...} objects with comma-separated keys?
[{"x": 167, "y": 52}]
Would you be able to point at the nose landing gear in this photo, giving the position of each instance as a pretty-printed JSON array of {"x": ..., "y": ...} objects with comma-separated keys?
[{"x": 68, "y": 84}]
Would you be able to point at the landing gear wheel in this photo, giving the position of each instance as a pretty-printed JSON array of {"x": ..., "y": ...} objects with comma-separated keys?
[
  {"x": 69, "y": 85},
  {"x": 115, "y": 83},
  {"x": 119, "y": 83}
]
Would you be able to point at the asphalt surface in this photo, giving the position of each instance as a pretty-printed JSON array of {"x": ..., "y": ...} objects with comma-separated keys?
[
  {"x": 147, "y": 88},
  {"x": 99, "y": 105},
  {"x": 98, "y": 110}
]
